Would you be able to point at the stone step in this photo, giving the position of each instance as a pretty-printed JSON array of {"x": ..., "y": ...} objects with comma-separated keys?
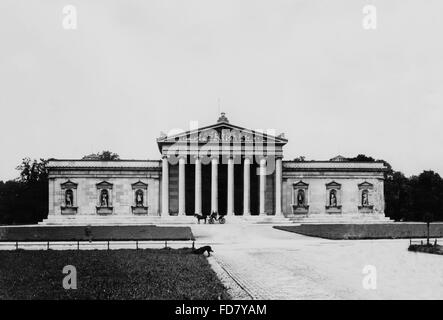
[
  {"x": 262, "y": 219},
  {"x": 130, "y": 220}
]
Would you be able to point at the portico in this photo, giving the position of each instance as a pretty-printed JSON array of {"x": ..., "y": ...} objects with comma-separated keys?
[{"x": 233, "y": 171}]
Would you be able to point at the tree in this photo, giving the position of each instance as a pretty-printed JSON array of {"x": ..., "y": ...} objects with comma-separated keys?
[
  {"x": 25, "y": 200},
  {"x": 108, "y": 155},
  {"x": 33, "y": 171},
  {"x": 104, "y": 156},
  {"x": 361, "y": 158},
  {"x": 426, "y": 196},
  {"x": 397, "y": 196}
]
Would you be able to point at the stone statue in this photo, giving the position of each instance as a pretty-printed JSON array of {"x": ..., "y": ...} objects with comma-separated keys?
[
  {"x": 300, "y": 198},
  {"x": 104, "y": 201},
  {"x": 365, "y": 198},
  {"x": 139, "y": 198},
  {"x": 332, "y": 199},
  {"x": 69, "y": 198}
]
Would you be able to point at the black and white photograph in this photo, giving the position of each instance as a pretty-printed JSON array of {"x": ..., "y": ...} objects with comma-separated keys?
[{"x": 219, "y": 156}]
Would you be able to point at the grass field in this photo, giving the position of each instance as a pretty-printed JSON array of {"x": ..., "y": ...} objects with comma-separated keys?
[
  {"x": 117, "y": 274},
  {"x": 366, "y": 231},
  {"x": 81, "y": 233}
]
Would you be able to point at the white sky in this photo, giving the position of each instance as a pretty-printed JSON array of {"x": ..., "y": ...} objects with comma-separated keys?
[{"x": 306, "y": 68}]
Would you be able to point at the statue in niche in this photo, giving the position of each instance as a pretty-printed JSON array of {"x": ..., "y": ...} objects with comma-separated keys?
[
  {"x": 333, "y": 198},
  {"x": 69, "y": 198},
  {"x": 300, "y": 198},
  {"x": 365, "y": 198},
  {"x": 104, "y": 198},
  {"x": 139, "y": 198}
]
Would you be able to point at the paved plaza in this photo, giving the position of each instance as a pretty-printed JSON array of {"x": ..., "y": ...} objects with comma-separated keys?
[{"x": 274, "y": 264}]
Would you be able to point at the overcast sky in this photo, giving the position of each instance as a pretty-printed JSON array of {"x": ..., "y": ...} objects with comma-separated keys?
[{"x": 307, "y": 68}]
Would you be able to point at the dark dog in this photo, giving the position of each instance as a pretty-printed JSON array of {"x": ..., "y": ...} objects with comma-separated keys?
[
  {"x": 200, "y": 217},
  {"x": 202, "y": 250}
]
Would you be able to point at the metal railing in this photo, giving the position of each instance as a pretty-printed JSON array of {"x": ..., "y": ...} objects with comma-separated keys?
[
  {"x": 421, "y": 242},
  {"x": 94, "y": 244}
]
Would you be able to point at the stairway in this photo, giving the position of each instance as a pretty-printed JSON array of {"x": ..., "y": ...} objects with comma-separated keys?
[
  {"x": 154, "y": 220},
  {"x": 186, "y": 220}
]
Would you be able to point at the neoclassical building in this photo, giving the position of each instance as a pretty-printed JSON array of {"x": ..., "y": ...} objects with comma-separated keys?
[{"x": 221, "y": 168}]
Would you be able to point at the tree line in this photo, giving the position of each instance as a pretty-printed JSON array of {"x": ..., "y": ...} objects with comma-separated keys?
[{"x": 416, "y": 198}]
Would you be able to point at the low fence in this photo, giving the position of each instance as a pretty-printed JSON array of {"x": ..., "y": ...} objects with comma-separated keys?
[
  {"x": 95, "y": 244},
  {"x": 421, "y": 242}
]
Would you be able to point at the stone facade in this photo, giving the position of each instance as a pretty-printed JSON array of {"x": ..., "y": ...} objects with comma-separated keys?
[
  {"x": 347, "y": 179},
  {"x": 243, "y": 177},
  {"x": 87, "y": 178}
]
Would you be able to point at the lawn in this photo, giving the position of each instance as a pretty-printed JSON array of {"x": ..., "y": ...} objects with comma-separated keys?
[
  {"x": 82, "y": 233},
  {"x": 116, "y": 274},
  {"x": 367, "y": 231}
]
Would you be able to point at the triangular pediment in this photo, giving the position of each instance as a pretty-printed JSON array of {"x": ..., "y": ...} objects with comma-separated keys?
[
  {"x": 139, "y": 185},
  {"x": 104, "y": 185},
  {"x": 333, "y": 184},
  {"x": 68, "y": 185},
  {"x": 300, "y": 184},
  {"x": 365, "y": 185},
  {"x": 222, "y": 132}
]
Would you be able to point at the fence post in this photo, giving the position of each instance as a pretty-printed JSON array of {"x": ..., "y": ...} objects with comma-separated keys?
[
  {"x": 47, "y": 246},
  {"x": 136, "y": 244},
  {"x": 108, "y": 244},
  {"x": 16, "y": 245}
]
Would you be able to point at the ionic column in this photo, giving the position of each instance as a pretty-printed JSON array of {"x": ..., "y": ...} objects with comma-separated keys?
[
  {"x": 262, "y": 185},
  {"x": 181, "y": 186},
  {"x": 246, "y": 187},
  {"x": 165, "y": 186},
  {"x": 278, "y": 182},
  {"x": 230, "y": 210},
  {"x": 214, "y": 185},
  {"x": 198, "y": 186}
]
